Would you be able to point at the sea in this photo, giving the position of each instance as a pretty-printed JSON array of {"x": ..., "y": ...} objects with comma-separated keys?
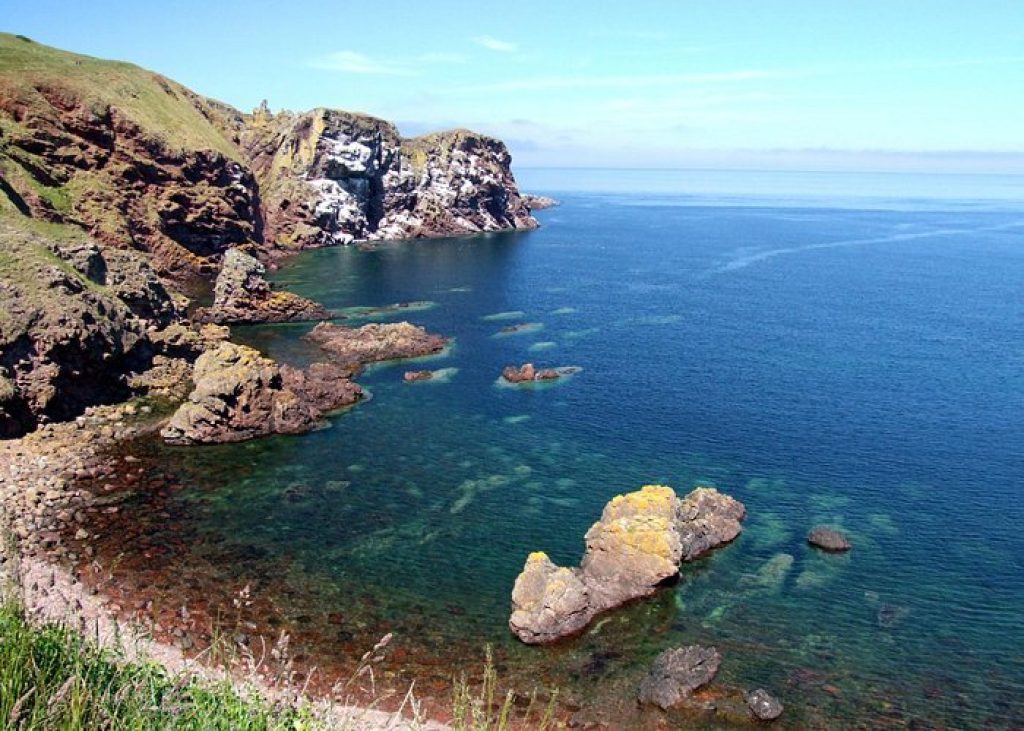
[{"x": 829, "y": 348}]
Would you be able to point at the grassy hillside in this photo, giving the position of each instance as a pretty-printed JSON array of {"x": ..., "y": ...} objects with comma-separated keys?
[{"x": 163, "y": 107}]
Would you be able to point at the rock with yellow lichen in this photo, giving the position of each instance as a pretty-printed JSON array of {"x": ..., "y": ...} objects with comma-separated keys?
[
  {"x": 637, "y": 545},
  {"x": 550, "y": 601}
]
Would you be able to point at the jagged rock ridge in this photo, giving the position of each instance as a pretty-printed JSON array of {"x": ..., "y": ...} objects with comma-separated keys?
[{"x": 332, "y": 177}]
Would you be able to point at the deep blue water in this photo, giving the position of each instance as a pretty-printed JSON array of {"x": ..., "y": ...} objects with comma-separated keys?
[{"x": 826, "y": 348}]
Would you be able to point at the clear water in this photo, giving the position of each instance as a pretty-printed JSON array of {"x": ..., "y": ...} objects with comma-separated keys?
[{"x": 818, "y": 346}]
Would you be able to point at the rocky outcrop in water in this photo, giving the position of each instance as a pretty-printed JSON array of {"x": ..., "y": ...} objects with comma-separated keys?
[
  {"x": 333, "y": 177},
  {"x": 675, "y": 674},
  {"x": 527, "y": 373},
  {"x": 240, "y": 394},
  {"x": 539, "y": 202},
  {"x": 355, "y": 346},
  {"x": 638, "y": 544},
  {"x": 829, "y": 539},
  {"x": 242, "y": 295}
]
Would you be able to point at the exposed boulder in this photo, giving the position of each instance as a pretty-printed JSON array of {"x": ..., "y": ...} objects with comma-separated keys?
[
  {"x": 764, "y": 706},
  {"x": 636, "y": 546},
  {"x": 414, "y": 376},
  {"x": 676, "y": 673},
  {"x": 829, "y": 539},
  {"x": 240, "y": 394},
  {"x": 375, "y": 342},
  {"x": 242, "y": 295}
]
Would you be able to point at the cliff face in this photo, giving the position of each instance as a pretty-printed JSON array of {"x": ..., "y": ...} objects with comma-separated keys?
[
  {"x": 135, "y": 159},
  {"x": 73, "y": 323},
  {"x": 331, "y": 177}
]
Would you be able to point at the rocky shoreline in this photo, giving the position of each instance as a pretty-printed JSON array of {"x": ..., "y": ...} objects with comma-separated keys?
[{"x": 43, "y": 519}]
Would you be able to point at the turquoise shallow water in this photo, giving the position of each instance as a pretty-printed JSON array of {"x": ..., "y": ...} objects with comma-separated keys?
[{"x": 832, "y": 355}]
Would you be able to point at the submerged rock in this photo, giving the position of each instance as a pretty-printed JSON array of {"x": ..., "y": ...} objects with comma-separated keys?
[
  {"x": 637, "y": 545},
  {"x": 829, "y": 539},
  {"x": 375, "y": 342},
  {"x": 676, "y": 673},
  {"x": 240, "y": 394},
  {"x": 242, "y": 295},
  {"x": 763, "y": 706}
]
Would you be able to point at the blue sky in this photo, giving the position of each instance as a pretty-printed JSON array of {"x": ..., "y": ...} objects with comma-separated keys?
[{"x": 811, "y": 84}]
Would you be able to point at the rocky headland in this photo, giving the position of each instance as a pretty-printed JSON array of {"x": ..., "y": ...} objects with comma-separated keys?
[{"x": 638, "y": 544}]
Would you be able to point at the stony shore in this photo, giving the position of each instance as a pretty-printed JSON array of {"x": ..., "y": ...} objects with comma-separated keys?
[{"x": 42, "y": 514}]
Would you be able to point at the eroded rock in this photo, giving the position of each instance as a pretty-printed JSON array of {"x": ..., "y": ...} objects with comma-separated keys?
[
  {"x": 637, "y": 545},
  {"x": 676, "y": 673},
  {"x": 527, "y": 372},
  {"x": 240, "y": 394}
]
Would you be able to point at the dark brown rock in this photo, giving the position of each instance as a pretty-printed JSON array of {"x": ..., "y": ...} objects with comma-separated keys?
[
  {"x": 829, "y": 539},
  {"x": 676, "y": 673}
]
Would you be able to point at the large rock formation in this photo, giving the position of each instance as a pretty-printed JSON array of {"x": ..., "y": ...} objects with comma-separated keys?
[
  {"x": 330, "y": 177},
  {"x": 638, "y": 544},
  {"x": 242, "y": 295},
  {"x": 239, "y": 395},
  {"x": 71, "y": 328},
  {"x": 375, "y": 342}
]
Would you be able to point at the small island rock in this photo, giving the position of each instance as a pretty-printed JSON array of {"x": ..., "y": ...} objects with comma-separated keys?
[
  {"x": 676, "y": 673},
  {"x": 375, "y": 342},
  {"x": 527, "y": 372},
  {"x": 414, "y": 376},
  {"x": 829, "y": 539}
]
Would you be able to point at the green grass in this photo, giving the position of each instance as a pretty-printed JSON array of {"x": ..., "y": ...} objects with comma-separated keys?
[
  {"x": 51, "y": 678},
  {"x": 162, "y": 107}
]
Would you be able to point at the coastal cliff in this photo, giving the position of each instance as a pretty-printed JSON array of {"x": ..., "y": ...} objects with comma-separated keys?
[{"x": 332, "y": 177}]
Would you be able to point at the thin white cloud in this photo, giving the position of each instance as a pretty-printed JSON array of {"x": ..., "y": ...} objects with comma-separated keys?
[
  {"x": 495, "y": 44},
  {"x": 353, "y": 62},
  {"x": 629, "y": 81}
]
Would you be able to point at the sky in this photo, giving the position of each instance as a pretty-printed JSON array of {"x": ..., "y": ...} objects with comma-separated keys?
[{"x": 924, "y": 85}]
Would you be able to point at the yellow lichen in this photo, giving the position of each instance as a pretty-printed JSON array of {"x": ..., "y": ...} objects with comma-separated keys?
[{"x": 536, "y": 556}]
